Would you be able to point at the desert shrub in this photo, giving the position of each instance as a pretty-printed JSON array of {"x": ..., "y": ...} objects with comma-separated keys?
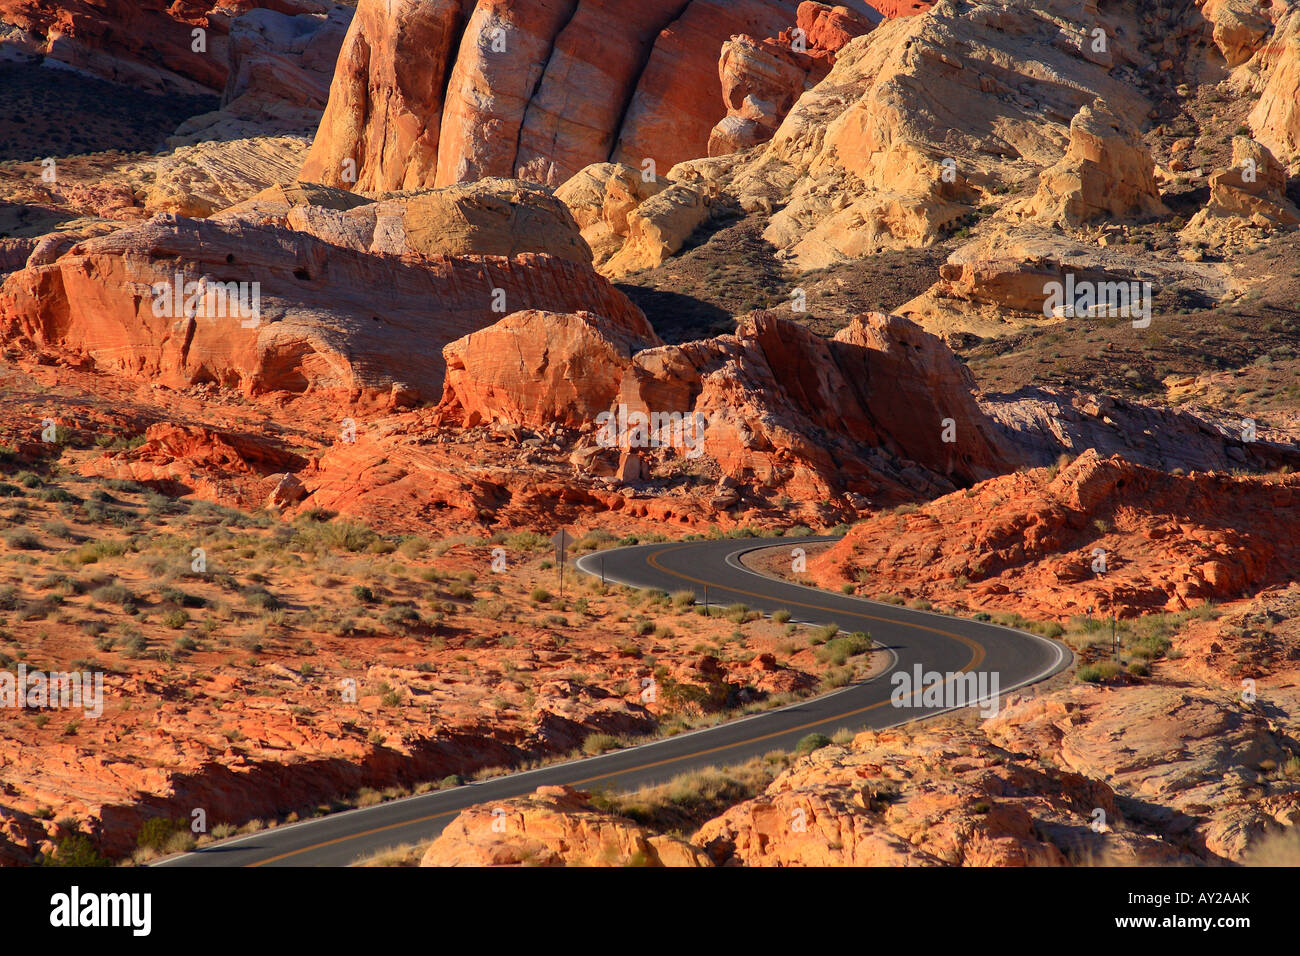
[
  {"x": 599, "y": 744},
  {"x": 94, "y": 551},
  {"x": 838, "y": 650},
  {"x": 76, "y": 850},
  {"x": 155, "y": 832},
  {"x": 812, "y": 742},
  {"x": 22, "y": 540},
  {"x": 401, "y": 617},
  {"x": 820, "y": 635},
  {"x": 1096, "y": 673},
  {"x": 112, "y": 594},
  {"x": 176, "y": 620},
  {"x": 259, "y": 597}
]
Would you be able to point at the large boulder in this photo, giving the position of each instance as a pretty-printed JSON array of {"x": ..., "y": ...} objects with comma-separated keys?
[
  {"x": 556, "y": 826},
  {"x": 540, "y": 368}
]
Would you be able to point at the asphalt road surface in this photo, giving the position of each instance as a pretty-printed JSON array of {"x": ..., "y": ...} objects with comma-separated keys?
[{"x": 961, "y": 652}]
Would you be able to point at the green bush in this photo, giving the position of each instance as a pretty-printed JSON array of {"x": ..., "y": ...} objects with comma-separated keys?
[
  {"x": 175, "y": 620},
  {"x": 76, "y": 850},
  {"x": 820, "y": 635},
  {"x": 156, "y": 832},
  {"x": 812, "y": 742},
  {"x": 838, "y": 650}
]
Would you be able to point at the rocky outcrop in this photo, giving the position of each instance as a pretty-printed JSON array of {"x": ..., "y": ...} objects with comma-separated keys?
[
  {"x": 279, "y": 61},
  {"x": 328, "y": 299},
  {"x": 1251, "y": 193},
  {"x": 540, "y": 368},
  {"x": 1191, "y": 756},
  {"x": 632, "y": 221},
  {"x": 1042, "y": 423},
  {"x": 925, "y": 121},
  {"x": 1238, "y": 27},
  {"x": 881, "y": 409},
  {"x": 192, "y": 459},
  {"x": 946, "y": 798},
  {"x": 1275, "y": 118},
  {"x": 901, "y": 8},
  {"x": 760, "y": 82},
  {"x": 1027, "y": 542},
  {"x": 826, "y": 29},
  {"x": 432, "y": 94},
  {"x": 149, "y": 46},
  {"x": 556, "y": 826},
  {"x": 206, "y": 177},
  {"x": 1106, "y": 173}
]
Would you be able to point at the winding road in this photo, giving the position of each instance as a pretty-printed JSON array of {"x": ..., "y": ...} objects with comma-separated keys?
[{"x": 935, "y": 643}]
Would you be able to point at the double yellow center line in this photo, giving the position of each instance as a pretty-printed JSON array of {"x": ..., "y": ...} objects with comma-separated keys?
[{"x": 977, "y": 657}]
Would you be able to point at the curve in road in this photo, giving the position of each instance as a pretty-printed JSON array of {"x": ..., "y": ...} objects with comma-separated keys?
[{"x": 958, "y": 661}]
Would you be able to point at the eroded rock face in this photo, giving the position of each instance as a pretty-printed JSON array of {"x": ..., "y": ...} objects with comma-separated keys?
[
  {"x": 1251, "y": 192},
  {"x": 147, "y": 45},
  {"x": 283, "y": 64},
  {"x": 1106, "y": 173},
  {"x": 1028, "y": 541},
  {"x": 380, "y": 130},
  {"x": 432, "y": 94},
  {"x": 1275, "y": 118},
  {"x": 678, "y": 99},
  {"x": 1238, "y": 27},
  {"x": 633, "y": 221},
  {"x": 1190, "y": 755},
  {"x": 866, "y": 412},
  {"x": 948, "y": 798},
  {"x": 359, "y": 298},
  {"x": 556, "y": 826},
  {"x": 502, "y": 57},
  {"x": 760, "y": 82},
  {"x": 1044, "y": 422}
]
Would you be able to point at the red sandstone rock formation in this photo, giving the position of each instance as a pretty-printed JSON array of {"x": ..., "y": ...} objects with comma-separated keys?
[
  {"x": 1027, "y": 541},
  {"x": 883, "y": 408},
  {"x": 358, "y": 300},
  {"x": 556, "y": 826},
  {"x": 146, "y": 43},
  {"x": 442, "y": 92}
]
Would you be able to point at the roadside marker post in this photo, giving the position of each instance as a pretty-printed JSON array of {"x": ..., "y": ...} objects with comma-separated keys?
[{"x": 562, "y": 540}]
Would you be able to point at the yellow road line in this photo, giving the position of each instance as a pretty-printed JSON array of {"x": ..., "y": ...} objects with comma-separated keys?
[{"x": 977, "y": 657}]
